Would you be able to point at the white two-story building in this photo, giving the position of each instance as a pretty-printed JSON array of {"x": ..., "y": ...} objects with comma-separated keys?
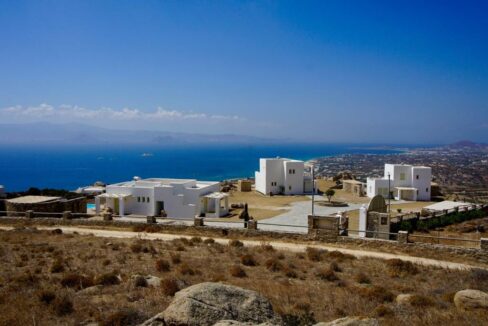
[
  {"x": 175, "y": 198},
  {"x": 283, "y": 176},
  {"x": 407, "y": 182}
]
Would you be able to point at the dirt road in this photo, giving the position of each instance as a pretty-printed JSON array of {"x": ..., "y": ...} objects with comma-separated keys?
[{"x": 296, "y": 247}]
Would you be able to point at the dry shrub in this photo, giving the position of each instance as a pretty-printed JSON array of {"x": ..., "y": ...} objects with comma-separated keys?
[
  {"x": 314, "y": 254},
  {"x": 175, "y": 258},
  {"x": 398, "y": 267},
  {"x": 340, "y": 256},
  {"x": 46, "y": 296},
  {"x": 377, "y": 293},
  {"x": 418, "y": 300},
  {"x": 448, "y": 297},
  {"x": 196, "y": 240},
  {"x": 274, "y": 265},
  {"x": 123, "y": 317},
  {"x": 335, "y": 267},
  {"x": 180, "y": 248},
  {"x": 236, "y": 243},
  {"x": 289, "y": 272},
  {"x": 162, "y": 265},
  {"x": 57, "y": 266},
  {"x": 382, "y": 311},
  {"x": 26, "y": 278},
  {"x": 362, "y": 278},
  {"x": 326, "y": 274},
  {"x": 62, "y": 305},
  {"x": 265, "y": 247},
  {"x": 139, "y": 228},
  {"x": 237, "y": 271},
  {"x": 169, "y": 286},
  {"x": 248, "y": 260},
  {"x": 185, "y": 269},
  {"x": 136, "y": 247},
  {"x": 76, "y": 281},
  {"x": 209, "y": 241},
  {"x": 152, "y": 229},
  {"x": 478, "y": 279},
  {"x": 107, "y": 279},
  {"x": 140, "y": 281}
]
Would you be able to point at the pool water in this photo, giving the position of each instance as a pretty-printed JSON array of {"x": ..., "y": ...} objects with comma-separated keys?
[{"x": 90, "y": 206}]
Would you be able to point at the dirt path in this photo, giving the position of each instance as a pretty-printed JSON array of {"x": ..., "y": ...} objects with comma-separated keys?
[{"x": 295, "y": 247}]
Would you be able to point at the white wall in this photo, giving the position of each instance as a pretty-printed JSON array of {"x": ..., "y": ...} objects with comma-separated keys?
[
  {"x": 423, "y": 182},
  {"x": 293, "y": 177},
  {"x": 280, "y": 176}
]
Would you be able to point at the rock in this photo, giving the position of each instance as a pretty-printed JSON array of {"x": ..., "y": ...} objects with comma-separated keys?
[
  {"x": 91, "y": 290},
  {"x": 143, "y": 281},
  {"x": 351, "y": 321},
  {"x": 471, "y": 299},
  {"x": 208, "y": 303},
  {"x": 403, "y": 299},
  {"x": 238, "y": 323}
]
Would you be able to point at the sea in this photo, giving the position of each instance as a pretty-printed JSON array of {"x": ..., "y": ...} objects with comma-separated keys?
[{"x": 70, "y": 167}]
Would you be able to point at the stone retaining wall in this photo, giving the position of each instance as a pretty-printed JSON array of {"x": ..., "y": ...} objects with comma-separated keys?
[{"x": 76, "y": 205}]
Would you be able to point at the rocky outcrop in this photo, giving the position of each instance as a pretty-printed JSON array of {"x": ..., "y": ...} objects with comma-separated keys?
[
  {"x": 351, "y": 321},
  {"x": 404, "y": 299},
  {"x": 471, "y": 299},
  {"x": 144, "y": 281},
  {"x": 209, "y": 303}
]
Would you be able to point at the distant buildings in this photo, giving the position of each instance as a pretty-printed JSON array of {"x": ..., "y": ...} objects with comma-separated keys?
[
  {"x": 407, "y": 182},
  {"x": 283, "y": 176},
  {"x": 2, "y": 191},
  {"x": 176, "y": 198}
]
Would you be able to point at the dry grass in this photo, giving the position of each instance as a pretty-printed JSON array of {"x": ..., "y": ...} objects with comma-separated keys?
[{"x": 303, "y": 288}]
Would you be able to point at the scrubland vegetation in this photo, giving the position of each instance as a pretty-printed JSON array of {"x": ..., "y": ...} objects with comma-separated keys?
[{"x": 53, "y": 278}]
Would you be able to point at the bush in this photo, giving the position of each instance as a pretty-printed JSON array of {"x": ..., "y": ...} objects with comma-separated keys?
[
  {"x": 274, "y": 265},
  {"x": 162, "y": 265},
  {"x": 107, "y": 279},
  {"x": 136, "y": 247},
  {"x": 326, "y": 274},
  {"x": 237, "y": 271},
  {"x": 382, "y": 311},
  {"x": 140, "y": 281},
  {"x": 62, "y": 306},
  {"x": 398, "y": 267},
  {"x": 46, "y": 296},
  {"x": 248, "y": 260},
  {"x": 362, "y": 278},
  {"x": 57, "y": 266},
  {"x": 169, "y": 286},
  {"x": 175, "y": 258},
  {"x": 376, "y": 293},
  {"x": 185, "y": 269},
  {"x": 314, "y": 254},
  {"x": 418, "y": 300},
  {"x": 236, "y": 243},
  {"x": 196, "y": 240},
  {"x": 266, "y": 247},
  {"x": 335, "y": 267},
  {"x": 340, "y": 256},
  {"x": 209, "y": 241},
  {"x": 123, "y": 317},
  {"x": 76, "y": 281},
  {"x": 289, "y": 272}
]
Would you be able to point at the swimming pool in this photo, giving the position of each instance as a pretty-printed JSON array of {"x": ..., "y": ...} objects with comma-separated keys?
[{"x": 90, "y": 206}]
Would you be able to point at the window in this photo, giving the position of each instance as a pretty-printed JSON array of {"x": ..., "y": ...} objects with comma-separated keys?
[
  {"x": 273, "y": 184},
  {"x": 402, "y": 176},
  {"x": 143, "y": 199},
  {"x": 138, "y": 199},
  {"x": 426, "y": 189},
  {"x": 417, "y": 177},
  {"x": 148, "y": 199},
  {"x": 384, "y": 220},
  {"x": 293, "y": 171},
  {"x": 289, "y": 171},
  {"x": 289, "y": 187}
]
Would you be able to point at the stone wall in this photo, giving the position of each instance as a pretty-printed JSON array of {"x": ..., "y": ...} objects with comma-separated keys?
[{"x": 76, "y": 205}]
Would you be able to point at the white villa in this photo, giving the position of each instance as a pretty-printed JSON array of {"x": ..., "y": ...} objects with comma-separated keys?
[
  {"x": 407, "y": 182},
  {"x": 176, "y": 198},
  {"x": 283, "y": 176}
]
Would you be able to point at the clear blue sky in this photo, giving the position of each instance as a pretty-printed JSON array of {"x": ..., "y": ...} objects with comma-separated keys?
[{"x": 337, "y": 71}]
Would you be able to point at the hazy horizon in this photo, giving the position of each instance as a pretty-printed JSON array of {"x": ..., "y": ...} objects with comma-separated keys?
[{"x": 375, "y": 72}]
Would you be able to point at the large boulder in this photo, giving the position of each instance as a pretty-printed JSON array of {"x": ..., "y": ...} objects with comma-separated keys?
[
  {"x": 209, "y": 303},
  {"x": 403, "y": 299},
  {"x": 351, "y": 321},
  {"x": 471, "y": 299}
]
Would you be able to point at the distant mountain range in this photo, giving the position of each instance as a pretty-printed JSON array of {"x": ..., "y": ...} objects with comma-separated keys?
[
  {"x": 73, "y": 133},
  {"x": 467, "y": 144}
]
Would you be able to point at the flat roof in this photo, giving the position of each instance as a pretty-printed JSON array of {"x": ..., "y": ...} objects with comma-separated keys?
[
  {"x": 447, "y": 204},
  {"x": 32, "y": 199},
  {"x": 352, "y": 181},
  {"x": 217, "y": 195},
  {"x": 154, "y": 182},
  {"x": 405, "y": 188}
]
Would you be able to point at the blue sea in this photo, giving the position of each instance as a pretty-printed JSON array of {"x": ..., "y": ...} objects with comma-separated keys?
[{"x": 70, "y": 167}]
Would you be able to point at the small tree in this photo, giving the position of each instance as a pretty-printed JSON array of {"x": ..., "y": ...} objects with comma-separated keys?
[{"x": 330, "y": 193}]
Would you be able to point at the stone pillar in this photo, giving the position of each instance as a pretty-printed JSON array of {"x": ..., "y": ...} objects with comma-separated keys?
[
  {"x": 151, "y": 220},
  {"x": 198, "y": 221},
  {"x": 217, "y": 207},
  {"x": 310, "y": 222},
  {"x": 107, "y": 216},
  {"x": 29, "y": 214},
  {"x": 121, "y": 206},
  {"x": 252, "y": 225},
  {"x": 67, "y": 215},
  {"x": 403, "y": 237},
  {"x": 484, "y": 244},
  {"x": 97, "y": 205}
]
